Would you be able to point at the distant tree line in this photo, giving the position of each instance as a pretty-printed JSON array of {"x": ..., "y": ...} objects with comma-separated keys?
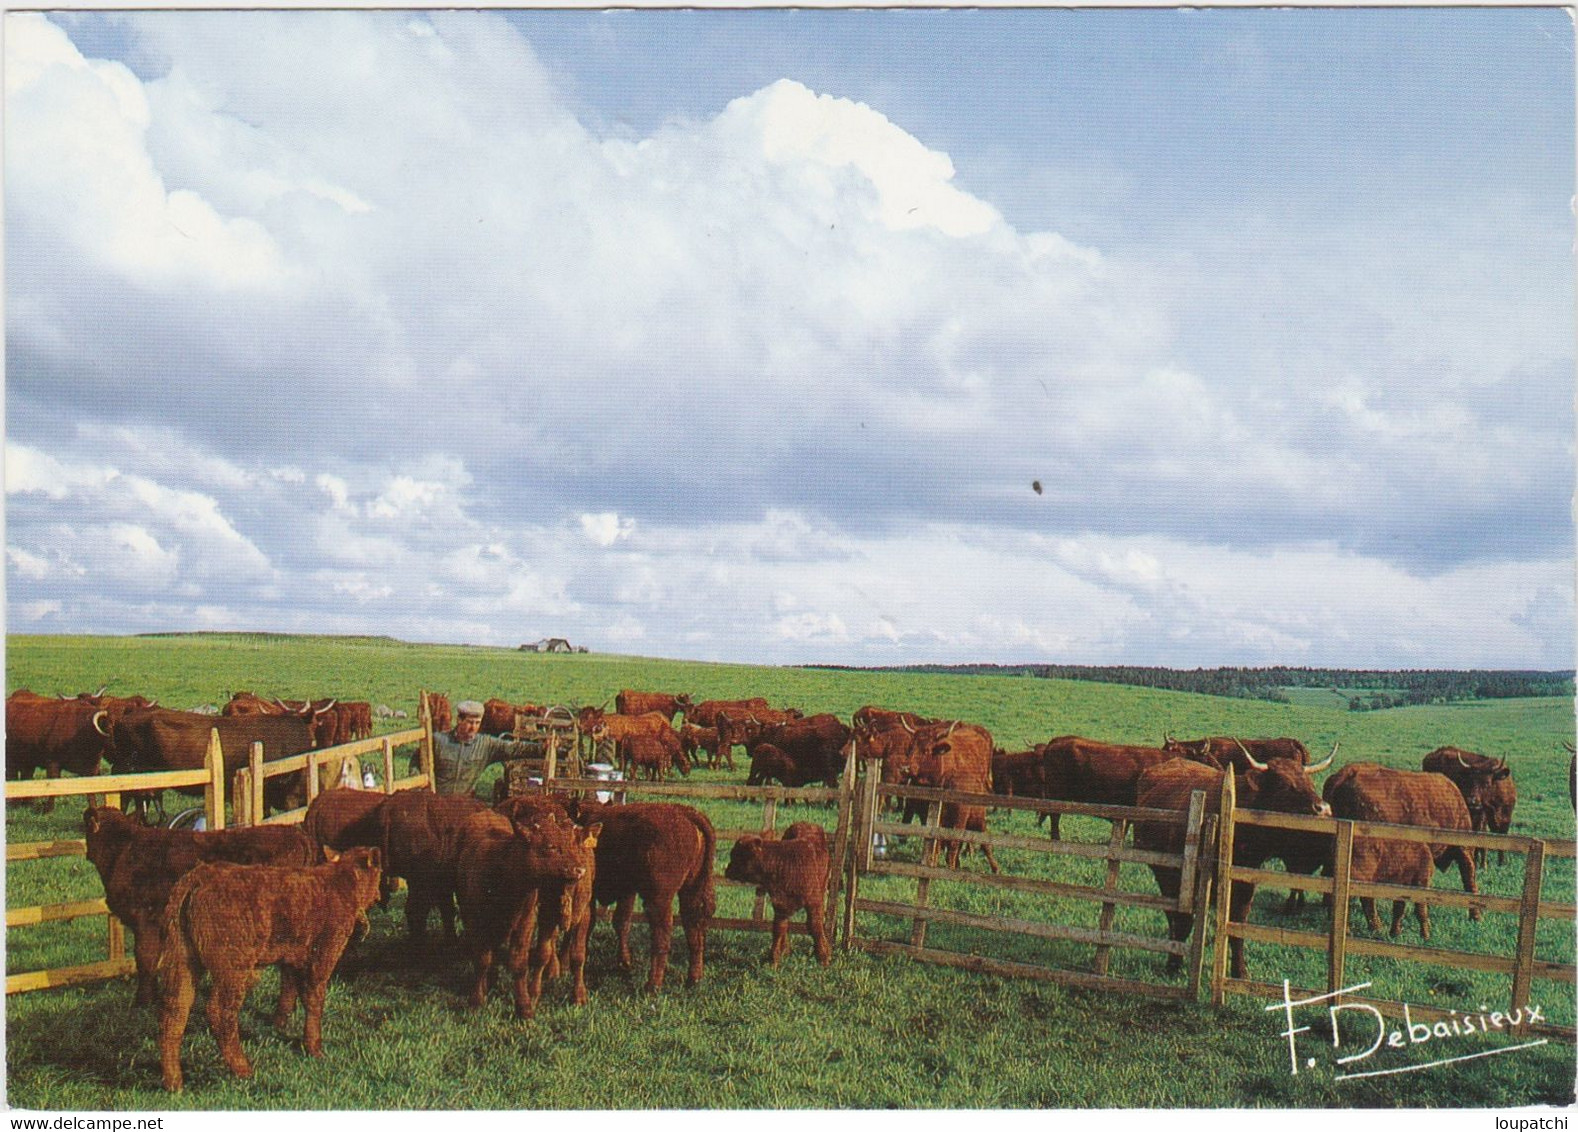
[{"x": 1367, "y": 689}]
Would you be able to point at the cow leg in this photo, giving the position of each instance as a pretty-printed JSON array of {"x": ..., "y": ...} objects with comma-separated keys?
[
  {"x": 1368, "y": 905},
  {"x": 1399, "y": 910},
  {"x": 178, "y": 991},
  {"x": 575, "y": 955},
  {"x": 418, "y": 900},
  {"x": 483, "y": 959},
  {"x": 623, "y": 912},
  {"x": 695, "y": 940},
  {"x": 660, "y": 923},
  {"x": 446, "y": 913},
  {"x": 146, "y": 944},
  {"x": 1465, "y": 865},
  {"x": 780, "y": 946},
  {"x": 289, "y": 988},
  {"x": 1422, "y": 910},
  {"x": 314, "y": 991},
  {"x": 1242, "y": 896},
  {"x": 1052, "y": 825},
  {"x": 816, "y": 921},
  {"x": 224, "y": 1016}
]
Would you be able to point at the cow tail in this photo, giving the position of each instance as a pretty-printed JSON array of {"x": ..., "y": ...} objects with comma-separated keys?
[
  {"x": 704, "y": 891},
  {"x": 177, "y": 964}
]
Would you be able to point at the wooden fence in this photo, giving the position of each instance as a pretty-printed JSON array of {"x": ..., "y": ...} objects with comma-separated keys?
[
  {"x": 1208, "y": 838},
  {"x": 1523, "y": 967},
  {"x": 1193, "y": 863}
]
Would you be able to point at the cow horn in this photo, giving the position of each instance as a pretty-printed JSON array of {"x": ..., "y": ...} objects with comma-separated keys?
[
  {"x": 906, "y": 725},
  {"x": 1252, "y": 760},
  {"x": 326, "y": 707},
  {"x": 1460, "y": 760},
  {"x": 1316, "y": 768},
  {"x": 99, "y": 719},
  {"x": 1570, "y": 747},
  {"x": 951, "y": 726}
]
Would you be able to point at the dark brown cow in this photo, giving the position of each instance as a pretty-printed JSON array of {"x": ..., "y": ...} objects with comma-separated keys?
[
  {"x": 1282, "y": 785},
  {"x": 232, "y": 919},
  {"x": 565, "y": 910},
  {"x": 817, "y": 745},
  {"x": 504, "y": 873},
  {"x": 769, "y": 765},
  {"x": 147, "y": 739},
  {"x": 420, "y": 834},
  {"x": 956, "y": 756},
  {"x": 1074, "y": 769},
  {"x": 793, "y": 874},
  {"x": 1486, "y": 786},
  {"x": 321, "y": 715},
  {"x": 1372, "y": 793},
  {"x": 655, "y": 850},
  {"x": 56, "y": 735},
  {"x": 1018, "y": 773},
  {"x": 138, "y": 865},
  {"x": 629, "y": 702}
]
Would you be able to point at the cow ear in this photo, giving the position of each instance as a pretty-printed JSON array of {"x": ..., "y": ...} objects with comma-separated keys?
[
  {"x": 330, "y": 855},
  {"x": 91, "y": 820},
  {"x": 1504, "y": 772}
]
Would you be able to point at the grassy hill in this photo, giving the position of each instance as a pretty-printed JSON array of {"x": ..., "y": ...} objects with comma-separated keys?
[{"x": 865, "y": 1033}]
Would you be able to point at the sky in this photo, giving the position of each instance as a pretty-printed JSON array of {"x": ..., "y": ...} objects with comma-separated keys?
[{"x": 1187, "y": 338}]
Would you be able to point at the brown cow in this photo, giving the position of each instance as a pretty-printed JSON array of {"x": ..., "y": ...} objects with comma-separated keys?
[
  {"x": 498, "y": 716},
  {"x": 649, "y": 738},
  {"x": 232, "y": 919},
  {"x": 439, "y": 711},
  {"x": 420, "y": 835},
  {"x": 1074, "y": 769},
  {"x": 146, "y": 739},
  {"x": 793, "y": 874},
  {"x": 138, "y": 865},
  {"x": 508, "y": 874},
  {"x": 1223, "y": 751},
  {"x": 1371, "y": 793},
  {"x": 816, "y": 745},
  {"x": 1018, "y": 773},
  {"x": 565, "y": 909},
  {"x": 56, "y": 735},
  {"x": 1487, "y": 788},
  {"x": 341, "y": 818},
  {"x": 705, "y": 714},
  {"x": 956, "y": 756},
  {"x": 769, "y": 765},
  {"x": 655, "y": 850},
  {"x": 1281, "y": 784},
  {"x": 629, "y": 702},
  {"x": 693, "y": 738}
]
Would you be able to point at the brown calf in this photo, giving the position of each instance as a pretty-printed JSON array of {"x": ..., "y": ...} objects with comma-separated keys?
[
  {"x": 140, "y": 864},
  {"x": 420, "y": 834},
  {"x": 232, "y": 919},
  {"x": 655, "y": 850},
  {"x": 793, "y": 874},
  {"x": 512, "y": 881}
]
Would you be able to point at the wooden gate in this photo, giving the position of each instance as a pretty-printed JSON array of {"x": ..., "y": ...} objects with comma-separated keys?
[{"x": 1193, "y": 863}]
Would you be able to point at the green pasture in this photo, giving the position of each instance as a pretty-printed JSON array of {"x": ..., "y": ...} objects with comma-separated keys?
[{"x": 865, "y": 1033}]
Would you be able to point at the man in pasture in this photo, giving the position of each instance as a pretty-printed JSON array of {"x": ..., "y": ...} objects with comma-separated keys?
[{"x": 460, "y": 755}]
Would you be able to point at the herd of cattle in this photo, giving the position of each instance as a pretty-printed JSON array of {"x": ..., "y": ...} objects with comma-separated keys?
[{"x": 525, "y": 875}]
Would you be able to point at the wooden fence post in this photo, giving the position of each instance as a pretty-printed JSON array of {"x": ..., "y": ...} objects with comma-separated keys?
[
  {"x": 255, "y": 763},
  {"x": 1120, "y": 830},
  {"x": 389, "y": 770},
  {"x": 214, "y": 790},
  {"x": 769, "y": 823},
  {"x": 841, "y": 839},
  {"x": 425, "y": 749},
  {"x": 1194, "y": 961},
  {"x": 1528, "y": 921},
  {"x": 1341, "y": 899},
  {"x": 1224, "y": 888},
  {"x": 929, "y": 857}
]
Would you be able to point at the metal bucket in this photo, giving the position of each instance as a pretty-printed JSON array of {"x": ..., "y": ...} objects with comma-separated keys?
[{"x": 605, "y": 772}]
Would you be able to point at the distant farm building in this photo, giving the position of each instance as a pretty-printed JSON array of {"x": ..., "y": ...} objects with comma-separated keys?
[{"x": 552, "y": 644}]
